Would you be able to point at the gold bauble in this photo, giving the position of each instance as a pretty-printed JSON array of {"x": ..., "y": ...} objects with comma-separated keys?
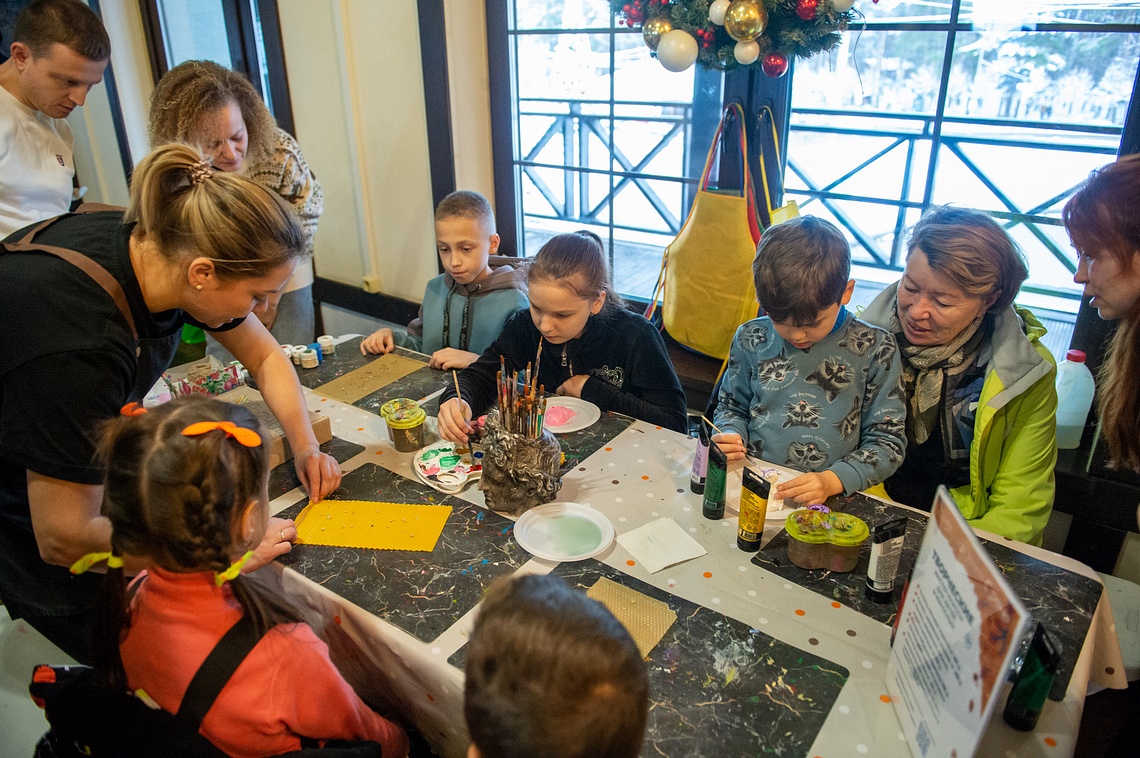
[
  {"x": 653, "y": 29},
  {"x": 745, "y": 20}
]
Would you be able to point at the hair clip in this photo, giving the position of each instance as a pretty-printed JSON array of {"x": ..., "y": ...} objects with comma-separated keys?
[
  {"x": 221, "y": 577},
  {"x": 200, "y": 171},
  {"x": 133, "y": 408},
  {"x": 245, "y": 437},
  {"x": 89, "y": 560}
]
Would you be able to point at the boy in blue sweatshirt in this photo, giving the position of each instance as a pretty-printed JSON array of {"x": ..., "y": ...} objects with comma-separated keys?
[
  {"x": 808, "y": 385},
  {"x": 465, "y": 307}
]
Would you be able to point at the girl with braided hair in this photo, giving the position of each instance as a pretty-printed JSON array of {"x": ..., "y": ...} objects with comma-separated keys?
[{"x": 185, "y": 494}]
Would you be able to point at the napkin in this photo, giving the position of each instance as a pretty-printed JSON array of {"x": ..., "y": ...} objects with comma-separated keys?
[{"x": 659, "y": 544}]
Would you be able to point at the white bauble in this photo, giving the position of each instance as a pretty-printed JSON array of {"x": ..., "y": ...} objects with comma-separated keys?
[
  {"x": 842, "y": 6},
  {"x": 677, "y": 50},
  {"x": 746, "y": 52},
  {"x": 718, "y": 8}
]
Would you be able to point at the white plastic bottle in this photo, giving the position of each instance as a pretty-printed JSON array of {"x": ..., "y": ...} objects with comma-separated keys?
[{"x": 1075, "y": 388}]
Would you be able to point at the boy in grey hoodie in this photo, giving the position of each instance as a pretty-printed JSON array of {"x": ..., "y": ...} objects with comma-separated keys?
[{"x": 465, "y": 307}]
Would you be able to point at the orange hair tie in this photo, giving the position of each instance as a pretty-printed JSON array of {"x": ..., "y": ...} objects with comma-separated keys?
[
  {"x": 245, "y": 437},
  {"x": 133, "y": 408}
]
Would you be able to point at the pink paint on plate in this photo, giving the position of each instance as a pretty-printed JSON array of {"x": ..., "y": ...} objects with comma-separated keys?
[{"x": 558, "y": 416}]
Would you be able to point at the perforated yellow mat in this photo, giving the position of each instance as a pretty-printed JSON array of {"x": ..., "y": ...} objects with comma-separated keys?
[
  {"x": 644, "y": 618},
  {"x": 369, "y": 378},
  {"x": 368, "y": 524}
]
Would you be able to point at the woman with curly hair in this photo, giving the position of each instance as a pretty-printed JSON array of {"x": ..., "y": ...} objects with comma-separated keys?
[{"x": 218, "y": 110}]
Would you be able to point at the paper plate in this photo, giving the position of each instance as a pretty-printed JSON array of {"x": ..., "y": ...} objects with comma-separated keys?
[
  {"x": 440, "y": 467},
  {"x": 585, "y": 414},
  {"x": 564, "y": 532}
]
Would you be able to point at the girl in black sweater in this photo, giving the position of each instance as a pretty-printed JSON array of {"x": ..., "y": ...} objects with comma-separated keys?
[{"x": 592, "y": 347}]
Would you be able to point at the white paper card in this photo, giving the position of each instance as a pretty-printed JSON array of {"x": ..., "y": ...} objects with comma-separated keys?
[
  {"x": 958, "y": 632},
  {"x": 660, "y": 544}
]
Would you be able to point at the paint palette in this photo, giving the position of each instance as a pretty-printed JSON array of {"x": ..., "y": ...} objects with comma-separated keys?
[{"x": 447, "y": 467}]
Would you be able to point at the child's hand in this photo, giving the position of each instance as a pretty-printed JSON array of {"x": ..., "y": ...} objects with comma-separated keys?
[
  {"x": 448, "y": 358},
  {"x": 279, "y": 534},
  {"x": 810, "y": 488},
  {"x": 572, "y": 387},
  {"x": 379, "y": 342},
  {"x": 455, "y": 421},
  {"x": 731, "y": 444}
]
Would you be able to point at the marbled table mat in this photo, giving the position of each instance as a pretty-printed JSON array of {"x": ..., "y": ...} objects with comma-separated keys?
[
  {"x": 283, "y": 478},
  {"x": 422, "y": 593},
  {"x": 1062, "y": 600},
  {"x": 719, "y": 687}
]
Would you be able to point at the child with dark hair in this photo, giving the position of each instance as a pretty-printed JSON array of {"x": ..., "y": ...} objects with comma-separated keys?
[
  {"x": 808, "y": 385},
  {"x": 465, "y": 307},
  {"x": 592, "y": 347},
  {"x": 185, "y": 492},
  {"x": 552, "y": 673}
]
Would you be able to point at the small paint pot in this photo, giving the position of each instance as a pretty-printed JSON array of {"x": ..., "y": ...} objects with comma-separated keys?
[
  {"x": 390, "y": 407},
  {"x": 407, "y": 427},
  {"x": 288, "y": 350},
  {"x": 328, "y": 347},
  {"x": 298, "y": 351},
  {"x": 309, "y": 359}
]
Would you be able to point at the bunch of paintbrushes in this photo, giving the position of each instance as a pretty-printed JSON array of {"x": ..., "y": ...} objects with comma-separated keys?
[{"x": 521, "y": 402}]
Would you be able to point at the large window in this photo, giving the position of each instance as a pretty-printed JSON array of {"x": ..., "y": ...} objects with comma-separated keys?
[
  {"x": 1004, "y": 107},
  {"x": 603, "y": 134},
  {"x": 243, "y": 35}
]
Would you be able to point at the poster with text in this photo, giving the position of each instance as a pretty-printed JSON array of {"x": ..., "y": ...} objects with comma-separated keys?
[{"x": 958, "y": 632}]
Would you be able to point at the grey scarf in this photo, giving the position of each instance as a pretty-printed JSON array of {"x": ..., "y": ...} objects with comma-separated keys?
[{"x": 925, "y": 369}]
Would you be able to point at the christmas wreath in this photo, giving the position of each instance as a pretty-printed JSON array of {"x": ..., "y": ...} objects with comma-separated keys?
[{"x": 724, "y": 34}]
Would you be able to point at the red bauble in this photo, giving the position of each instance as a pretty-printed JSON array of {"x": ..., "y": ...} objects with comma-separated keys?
[
  {"x": 805, "y": 9},
  {"x": 775, "y": 65}
]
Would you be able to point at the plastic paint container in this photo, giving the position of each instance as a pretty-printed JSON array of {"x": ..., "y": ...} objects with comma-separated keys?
[
  {"x": 390, "y": 407},
  {"x": 316, "y": 347},
  {"x": 407, "y": 427},
  {"x": 288, "y": 350},
  {"x": 821, "y": 540},
  {"x": 326, "y": 343},
  {"x": 309, "y": 359},
  {"x": 298, "y": 351}
]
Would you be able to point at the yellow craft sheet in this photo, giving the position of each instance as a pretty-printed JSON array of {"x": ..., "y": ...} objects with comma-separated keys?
[
  {"x": 644, "y": 618},
  {"x": 369, "y": 524},
  {"x": 369, "y": 378}
]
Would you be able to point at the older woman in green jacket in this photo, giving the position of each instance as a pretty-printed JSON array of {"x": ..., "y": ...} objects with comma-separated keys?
[{"x": 980, "y": 393}]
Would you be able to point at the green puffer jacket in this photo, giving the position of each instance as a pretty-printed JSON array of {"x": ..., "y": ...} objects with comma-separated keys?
[{"x": 1014, "y": 448}]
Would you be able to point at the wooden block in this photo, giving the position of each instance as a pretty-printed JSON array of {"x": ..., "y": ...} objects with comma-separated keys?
[{"x": 279, "y": 451}]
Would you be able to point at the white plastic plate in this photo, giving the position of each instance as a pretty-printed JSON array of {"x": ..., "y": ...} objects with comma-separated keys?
[{"x": 564, "y": 532}]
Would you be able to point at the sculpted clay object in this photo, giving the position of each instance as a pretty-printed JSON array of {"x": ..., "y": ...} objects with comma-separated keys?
[{"x": 518, "y": 473}]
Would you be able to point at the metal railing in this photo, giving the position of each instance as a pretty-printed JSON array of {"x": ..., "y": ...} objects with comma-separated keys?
[
  {"x": 575, "y": 126},
  {"x": 915, "y": 130},
  {"x": 579, "y": 202}
]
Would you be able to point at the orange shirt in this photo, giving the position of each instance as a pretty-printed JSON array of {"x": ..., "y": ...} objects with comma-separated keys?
[{"x": 286, "y": 687}]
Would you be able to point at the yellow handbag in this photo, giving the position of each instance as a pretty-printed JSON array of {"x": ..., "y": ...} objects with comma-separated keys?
[{"x": 705, "y": 282}]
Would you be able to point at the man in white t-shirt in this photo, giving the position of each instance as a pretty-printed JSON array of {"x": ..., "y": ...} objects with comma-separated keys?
[{"x": 59, "y": 51}]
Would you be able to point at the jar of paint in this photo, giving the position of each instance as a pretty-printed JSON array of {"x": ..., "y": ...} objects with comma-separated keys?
[
  {"x": 818, "y": 539},
  {"x": 407, "y": 428},
  {"x": 390, "y": 407}
]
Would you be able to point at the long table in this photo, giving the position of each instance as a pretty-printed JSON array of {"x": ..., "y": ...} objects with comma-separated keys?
[{"x": 764, "y": 657}]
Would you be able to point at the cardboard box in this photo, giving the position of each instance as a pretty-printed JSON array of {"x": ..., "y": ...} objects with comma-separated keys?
[{"x": 279, "y": 451}]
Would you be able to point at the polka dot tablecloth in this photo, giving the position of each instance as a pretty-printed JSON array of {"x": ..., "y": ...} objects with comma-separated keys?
[{"x": 643, "y": 474}]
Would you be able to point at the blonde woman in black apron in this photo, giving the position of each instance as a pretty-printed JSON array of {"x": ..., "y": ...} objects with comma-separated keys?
[{"x": 92, "y": 305}]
